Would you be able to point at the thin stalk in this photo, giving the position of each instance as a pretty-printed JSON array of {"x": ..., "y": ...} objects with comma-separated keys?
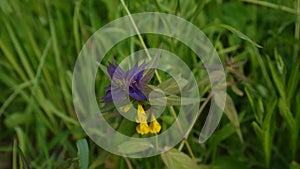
[
  {"x": 297, "y": 31},
  {"x": 189, "y": 149},
  {"x": 16, "y": 92},
  {"x": 148, "y": 55},
  {"x": 194, "y": 121},
  {"x": 14, "y": 160},
  {"x": 128, "y": 163},
  {"x": 274, "y": 6},
  {"x": 140, "y": 37}
]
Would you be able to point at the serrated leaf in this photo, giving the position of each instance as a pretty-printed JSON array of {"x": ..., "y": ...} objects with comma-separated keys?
[
  {"x": 175, "y": 159},
  {"x": 83, "y": 153}
]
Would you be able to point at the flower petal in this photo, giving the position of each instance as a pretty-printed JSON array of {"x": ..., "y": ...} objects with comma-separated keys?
[
  {"x": 111, "y": 69},
  {"x": 140, "y": 73},
  {"x": 107, "y": 98},
  {"x": 136, "y": 93},
  {"x": 117, "y": 96},
  {"x": 154, "y": 126},
  {"x": 143, "y": 128},
  {"x": 130, "y": 74}
]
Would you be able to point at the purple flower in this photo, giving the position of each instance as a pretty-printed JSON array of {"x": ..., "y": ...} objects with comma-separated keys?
[{"x": 132, "y": 83}]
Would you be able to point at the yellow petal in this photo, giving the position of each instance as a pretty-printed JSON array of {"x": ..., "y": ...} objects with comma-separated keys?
[
  {"x": 143, "y": 128},
  {"x": 155, "y": 127},
  {"x": 141, "y": 115}
]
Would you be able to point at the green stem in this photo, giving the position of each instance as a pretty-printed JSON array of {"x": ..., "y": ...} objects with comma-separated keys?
[
  {"x": 148, "y": 55},
  {"x": 128, "y": 163},
  {"x": 140, "y": 37},
  {"x": 297, "y": 31},
  {"x": 194, "y": 121},
  {"x": 274, "y": 6}
]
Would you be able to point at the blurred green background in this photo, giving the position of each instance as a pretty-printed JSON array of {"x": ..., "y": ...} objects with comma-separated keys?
[{"x": 39, "y": 44}]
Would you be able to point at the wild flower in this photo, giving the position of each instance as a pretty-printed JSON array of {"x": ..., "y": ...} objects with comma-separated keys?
[{"x": 132, "y": 83}]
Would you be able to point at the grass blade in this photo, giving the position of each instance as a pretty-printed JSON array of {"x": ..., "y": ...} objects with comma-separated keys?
[{"x": 83, "y": 153}]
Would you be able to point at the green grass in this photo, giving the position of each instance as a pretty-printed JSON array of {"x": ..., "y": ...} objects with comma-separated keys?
[{"x": 39, "y": 44}]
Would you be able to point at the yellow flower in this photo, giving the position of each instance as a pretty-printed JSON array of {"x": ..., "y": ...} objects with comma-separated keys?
[
  {"x": 155, "y": 127},
  {"x": 141, "y": 115},
  {"x": 143, "y": 128},
  {"x": 141, "y": 118}
]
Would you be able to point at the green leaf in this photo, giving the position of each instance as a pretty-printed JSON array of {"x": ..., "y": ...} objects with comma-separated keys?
[
  {"x": 256, "y": 104},
  {"x": 222, "y": 134},
  {"x": 293, "y": 82},
  {"x": 103, "y": 69},
  {"x": 175, "y": 159},
  {"x": 108, "y": 107},
  {"x": 168, "y": 119},
  {"x": 232, "y": 115},
  {"x": 279, "y": 62},
  {"x": 258, "y": 131},
  {"x": 174, "y": 100},
  {"x": 278, "y": 80},
  {"x": 139, "y": 146},
  {"x": 25, "y": 163},
  {"x": 236, "y": 90},
  {"x": 294, "y": 165},
  {"x": 172, "y": 86},
  {"x": 16, "y": 119},
  {"x": 287, "y": 115},
  {"x": 83, "y": 153},
  {"x": 272, "y": 5},
  {"x": 237, "y": 32},
  {"x": 267, "y": 130},
  {"x": 127, "y": 127}
]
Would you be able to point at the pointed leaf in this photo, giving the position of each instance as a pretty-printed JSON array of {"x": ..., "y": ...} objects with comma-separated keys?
[
  {"x": 232, "y": 115},
  {"x": 175, "y": 159},
  {"x": 83, "y": 153},
  {"x": 171, "y": 86},
  {"x": 139, "y": 146}
]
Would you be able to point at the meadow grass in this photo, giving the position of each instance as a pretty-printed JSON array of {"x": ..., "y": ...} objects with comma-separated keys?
[{"x": 39, "y": 44}]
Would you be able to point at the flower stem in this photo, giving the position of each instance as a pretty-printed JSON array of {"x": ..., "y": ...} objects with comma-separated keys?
[
  {"x": 193, "y": 122},
  {"x": 140, "y": 37},
  {"x": 148, "y": 55}
]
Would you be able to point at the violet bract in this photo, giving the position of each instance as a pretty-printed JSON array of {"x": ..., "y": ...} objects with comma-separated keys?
[{"x": 132, "y": 83}]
